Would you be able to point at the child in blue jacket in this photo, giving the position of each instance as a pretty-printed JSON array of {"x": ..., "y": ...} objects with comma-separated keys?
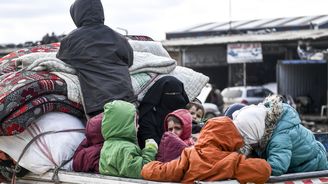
[{"x": 274, "y": 130}]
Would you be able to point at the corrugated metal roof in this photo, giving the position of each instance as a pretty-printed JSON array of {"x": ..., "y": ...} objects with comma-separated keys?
[
  {"x": 242, "y": 38},
  {"x": 259, "y": 24}
]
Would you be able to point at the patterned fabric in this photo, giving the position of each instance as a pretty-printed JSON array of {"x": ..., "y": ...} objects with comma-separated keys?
[
  {"x": 274, "y": 104},
  {"x": 8, "y": 64},
  {"x": 20, "y": 87},
  {"x": 26, "y": 95},
  {"x": 20, "y": 119}
]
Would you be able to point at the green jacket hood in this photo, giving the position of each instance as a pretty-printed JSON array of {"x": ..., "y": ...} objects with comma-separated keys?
[{"x": 119, "y": 121}]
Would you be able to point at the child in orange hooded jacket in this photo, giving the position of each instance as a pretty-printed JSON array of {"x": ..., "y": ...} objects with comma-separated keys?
[{"x": 214, "y": 157}]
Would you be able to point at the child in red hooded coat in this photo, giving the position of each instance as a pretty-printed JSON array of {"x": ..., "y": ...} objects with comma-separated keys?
[{"x": 177, "y": 136}]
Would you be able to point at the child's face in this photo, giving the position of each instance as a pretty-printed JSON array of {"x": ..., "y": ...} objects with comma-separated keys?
[
  {"x": 196, "y": 114},
  {"x": 175, "y": 128}
]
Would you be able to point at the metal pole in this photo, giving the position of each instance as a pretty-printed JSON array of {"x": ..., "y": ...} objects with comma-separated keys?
[
  {"x": 229, "y": 75},
  {"x": 230, "y": 16},
  {"x": 125, "y": 30},
  {"x": 244, "y": 74},
  {"x": 183, "y": 57},
  {"x": 297, "y": 176}
]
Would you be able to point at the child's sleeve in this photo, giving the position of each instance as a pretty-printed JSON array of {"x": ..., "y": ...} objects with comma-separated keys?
[
  {"x": 150, "y": 151},
  {"x": 253, "y": 170},
  {"x": 279, "y": 152},
  {"x": 172, "y": 171},
  {"x": 132, "y": 161}
]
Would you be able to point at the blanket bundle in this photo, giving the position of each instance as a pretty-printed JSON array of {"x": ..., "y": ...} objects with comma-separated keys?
[
  {"x": 34, "y": 82},
  {"x": 152, "y": 62},
  {"x": 8, "y": 63},
  {"x": 26, "y": 95}
]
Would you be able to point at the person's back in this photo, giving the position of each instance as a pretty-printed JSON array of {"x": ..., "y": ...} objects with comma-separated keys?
[
  {"x": 101, "y": 56},
  {"x": 293, "y": 148},
  {"x": 274, "y": 131}
]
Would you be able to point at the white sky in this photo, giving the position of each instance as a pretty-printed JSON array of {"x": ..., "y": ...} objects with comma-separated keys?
[{"x": 29, "y": 20}]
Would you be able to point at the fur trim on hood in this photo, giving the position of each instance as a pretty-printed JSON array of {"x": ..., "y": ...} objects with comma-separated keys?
[
  {"x": 275, "y": 108},
  {"x": 256, "y": 125}
]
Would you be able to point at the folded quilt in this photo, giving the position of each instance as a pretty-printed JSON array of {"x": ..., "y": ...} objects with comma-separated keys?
[
  {"x": 20, "y": 87},
  {"x": 21, "y": 118},
  {"x": 150, "y": 56},
  {"x": 155, "y": 48},
  {"x": 43, "y": 61},
  {"x": 73, "y": 86},
  {"x": 8, "y": 63},
  {"x": 47, "y": 61},
  {"x": 148, "y": 62},
  {"x": 193, "y": 81}
]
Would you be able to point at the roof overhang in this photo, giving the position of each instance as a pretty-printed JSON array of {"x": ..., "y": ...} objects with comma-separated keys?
[{"x": 248, "y": 38}]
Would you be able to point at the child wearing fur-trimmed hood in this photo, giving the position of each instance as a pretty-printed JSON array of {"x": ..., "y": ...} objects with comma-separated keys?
[{"x": 274, "y": 130}]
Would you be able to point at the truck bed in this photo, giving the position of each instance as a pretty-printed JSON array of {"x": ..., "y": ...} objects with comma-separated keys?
[
  {"x": 87, "y": 178},
  {"x": 315, "y": 177}
]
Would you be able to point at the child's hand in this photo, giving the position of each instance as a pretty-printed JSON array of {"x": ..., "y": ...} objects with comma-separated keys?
[{"x": 151, "y": 143}]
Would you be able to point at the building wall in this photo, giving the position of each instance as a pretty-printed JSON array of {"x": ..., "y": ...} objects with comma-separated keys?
[
  {"x": 211, "y": 60},
  {"x": 304, "y": 80},
  {"x": 204, "y": 56},
  {"x": 218, "y": 75}
]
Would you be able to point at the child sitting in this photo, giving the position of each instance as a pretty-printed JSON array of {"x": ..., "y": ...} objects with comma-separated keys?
[
  {"x": 120, "y": 155},
  {"x": 274, "y": 130},
  {"x": 177, "y": 136},
  {"x": 214, "y": 157},
  {"x": 179, "y": 122},
  {"x": 197, "y": 111}
]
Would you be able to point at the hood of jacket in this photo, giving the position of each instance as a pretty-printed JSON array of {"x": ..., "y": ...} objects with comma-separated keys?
[
  {"x": 93, "y": 130},
  {"x": 220, "y": 132},
  {"x": 87, "y": 12},
  {"x": 289, "y": 118},
  {"x": 185, "y": 118},
  {"x": 119, "y": 121}
]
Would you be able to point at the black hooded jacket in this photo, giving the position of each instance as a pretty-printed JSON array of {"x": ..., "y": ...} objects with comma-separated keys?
[{"x": 100, "y": 55}]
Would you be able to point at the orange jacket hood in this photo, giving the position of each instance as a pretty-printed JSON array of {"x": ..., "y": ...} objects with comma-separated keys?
[
  {"x": 220, "y": 132},
  {"x": 214, "y": 157}
]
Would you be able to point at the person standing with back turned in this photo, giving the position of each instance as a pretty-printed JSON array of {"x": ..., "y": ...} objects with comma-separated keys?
[{"x": 100, "y": 55}]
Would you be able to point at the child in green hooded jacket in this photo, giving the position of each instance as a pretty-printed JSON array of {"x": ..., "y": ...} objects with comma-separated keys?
[{"x": 120, "y": 155}]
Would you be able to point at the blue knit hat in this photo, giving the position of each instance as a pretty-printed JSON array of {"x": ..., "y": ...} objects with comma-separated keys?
[{"x": 232, "y": 108}]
